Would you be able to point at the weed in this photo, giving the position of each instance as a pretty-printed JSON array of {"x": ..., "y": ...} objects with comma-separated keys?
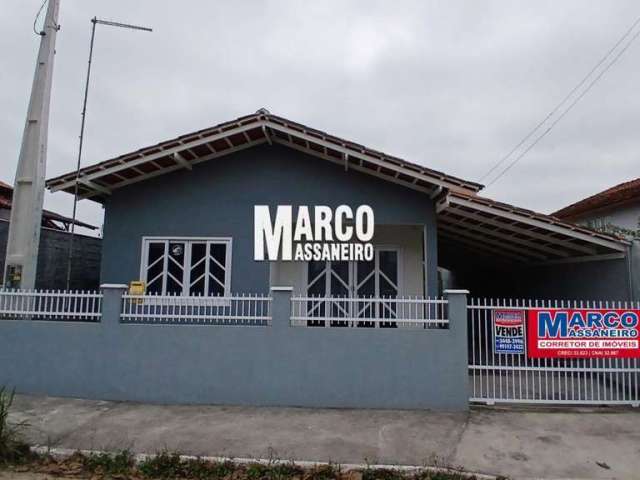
[
  {"x": 202, "y": 469},
  {"x": 170, "y": 466},
  {"x": 163, "y": 465},
  {"x": 382, "y": 474},
  {"x": 282, "y": 471},
  {"x": 108, "y": 464},
  {"x": 323, "y": 472},
  {"x": 256, "y": 471},
  {"x": 12, "y": 449},
  {"x": 167, "y": 465}
]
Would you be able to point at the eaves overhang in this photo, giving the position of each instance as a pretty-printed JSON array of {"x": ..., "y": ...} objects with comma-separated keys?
[{"x": 98, "y": 181}]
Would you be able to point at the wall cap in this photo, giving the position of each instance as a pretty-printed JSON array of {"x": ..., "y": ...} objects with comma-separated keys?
[
  {"x": 114, "y": 285},
  {"x": 282, "y": 289}
]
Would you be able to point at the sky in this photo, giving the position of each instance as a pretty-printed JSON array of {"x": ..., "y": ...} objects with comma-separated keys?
[{"x": 452, "y": 85}]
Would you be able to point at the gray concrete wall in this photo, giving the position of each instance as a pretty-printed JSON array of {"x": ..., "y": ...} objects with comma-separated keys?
[
  {"x": 52, "y": 259},
  {"x": 272, "y": 365},
  {"x": 217, "y": 197}
]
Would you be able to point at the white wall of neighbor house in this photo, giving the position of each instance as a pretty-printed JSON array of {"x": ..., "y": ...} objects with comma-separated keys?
[
  {"x": 407, "y": 238},
  {"x": 625, "y": 216}
]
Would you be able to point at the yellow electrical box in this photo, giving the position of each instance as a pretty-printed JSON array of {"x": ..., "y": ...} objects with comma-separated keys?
[{"x": 137, "y": 287}]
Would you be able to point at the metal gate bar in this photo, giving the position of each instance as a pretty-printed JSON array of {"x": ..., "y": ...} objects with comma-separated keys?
[{"x": 515, "y": 378}]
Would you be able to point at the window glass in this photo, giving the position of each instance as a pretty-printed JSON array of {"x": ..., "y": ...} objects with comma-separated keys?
[
  {"x": 175, "y": 268},
  {"x": 217, "y": 271},
  {"x": 155, "y": 267},
  {"x": 198, "y": 269},
  {"x": 316, "y": 280},
  {"x": 389, "y": 265}
]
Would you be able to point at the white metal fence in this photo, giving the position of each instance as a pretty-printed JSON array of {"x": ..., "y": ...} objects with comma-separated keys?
[
  {"x": 369, "y": 312},
  {"x": 244, "y": 310},
  {"x": 515, "y": 378},
  {"x": 50, "y": 305}
]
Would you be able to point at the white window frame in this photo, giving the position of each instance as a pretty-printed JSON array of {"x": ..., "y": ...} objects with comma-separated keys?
[{"x": 147, "y": 240}]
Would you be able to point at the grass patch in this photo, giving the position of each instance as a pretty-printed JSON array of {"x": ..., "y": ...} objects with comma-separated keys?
[
  {"x": 120, "y": 463},
  {"x": 167, "y": 465}
]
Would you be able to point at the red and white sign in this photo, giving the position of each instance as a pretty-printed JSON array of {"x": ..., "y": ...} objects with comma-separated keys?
[{"x": 583, "y": 333}]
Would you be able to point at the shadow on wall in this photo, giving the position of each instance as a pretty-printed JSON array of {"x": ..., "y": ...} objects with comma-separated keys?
[{"x": 493, "y": 278}]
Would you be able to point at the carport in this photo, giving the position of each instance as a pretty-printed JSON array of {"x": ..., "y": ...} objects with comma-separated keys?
[{"x": 498, "y": 250}]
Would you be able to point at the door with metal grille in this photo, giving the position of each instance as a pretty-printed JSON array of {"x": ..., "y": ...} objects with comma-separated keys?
[{"x": 344, "y": 281}]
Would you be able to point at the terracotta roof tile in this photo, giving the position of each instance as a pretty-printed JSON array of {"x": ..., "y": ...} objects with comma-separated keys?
[{"x": 620, "y": 193}]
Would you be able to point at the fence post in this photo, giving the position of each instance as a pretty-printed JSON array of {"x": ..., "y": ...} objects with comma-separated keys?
[
  {"x": 281, "y": 307},
  {"x": 458, "y": 330},
  {"x": 112, "y": 303},
  {"x": 457, "y": 309}
]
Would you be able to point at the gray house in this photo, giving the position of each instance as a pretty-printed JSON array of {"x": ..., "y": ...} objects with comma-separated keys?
[
  {"x": 221, "y": 327},
  {"x": 179, "y": 216}
]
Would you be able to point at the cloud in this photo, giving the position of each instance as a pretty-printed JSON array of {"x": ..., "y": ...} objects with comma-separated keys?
[{"x": 451, "y": 85}]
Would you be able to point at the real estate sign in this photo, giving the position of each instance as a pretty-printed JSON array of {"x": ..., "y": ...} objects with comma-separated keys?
[
  {"x": 508, "y": 331},
  {"x": 583, "y": 333}
]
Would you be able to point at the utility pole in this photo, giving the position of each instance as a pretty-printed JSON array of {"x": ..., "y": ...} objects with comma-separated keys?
[
  {"x": 28, "y": 193},
  {"x": 94, "y": 21}
]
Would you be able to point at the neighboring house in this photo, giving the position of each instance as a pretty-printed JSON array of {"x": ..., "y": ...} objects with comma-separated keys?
[
  {"x": 615, "y": 210},
  {"x": 179, "y": 216},
  {"x": 53, "y": 249}
]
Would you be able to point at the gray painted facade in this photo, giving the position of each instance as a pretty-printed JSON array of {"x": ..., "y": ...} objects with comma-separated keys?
[
  {"x": 241, "y": 365},
  {"x": 217, "y": 197},
  {"x": 52, "y": 259}
]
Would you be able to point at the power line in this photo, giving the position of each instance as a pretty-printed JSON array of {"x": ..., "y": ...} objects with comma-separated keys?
[
  {"x": 562, "y": 115},
  {"x": 35, "y": 20},
  {"x": 561, "y": 103}
]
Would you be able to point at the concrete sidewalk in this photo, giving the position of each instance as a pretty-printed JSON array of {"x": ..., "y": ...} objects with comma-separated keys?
[{"x": 589, "y": 443}]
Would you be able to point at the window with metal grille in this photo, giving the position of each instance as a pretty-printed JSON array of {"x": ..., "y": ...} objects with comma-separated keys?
[{"x": 187, "y": 266}]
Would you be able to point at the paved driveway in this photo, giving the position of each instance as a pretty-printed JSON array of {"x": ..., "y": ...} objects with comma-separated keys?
[{"x": 589, "y": 443}]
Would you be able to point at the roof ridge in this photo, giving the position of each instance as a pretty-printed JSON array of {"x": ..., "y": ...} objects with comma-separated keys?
[{"x": 241, "y": 133}]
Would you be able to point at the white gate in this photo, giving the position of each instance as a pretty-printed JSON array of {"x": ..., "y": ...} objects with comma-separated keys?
[{"x": 515, "y": 378}]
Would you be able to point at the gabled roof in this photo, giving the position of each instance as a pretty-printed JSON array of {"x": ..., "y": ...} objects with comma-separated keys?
[
  {"x": 97, "y": 181},
  {"x": 48, "y": 217},
  {"x": 622, "y": 193}
]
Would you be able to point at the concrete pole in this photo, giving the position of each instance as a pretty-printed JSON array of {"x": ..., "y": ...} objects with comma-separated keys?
[{"x": 28, "y": 192}]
